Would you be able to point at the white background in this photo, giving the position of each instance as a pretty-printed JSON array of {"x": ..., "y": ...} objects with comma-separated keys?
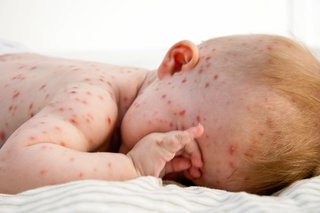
[{"x": 109, "y": 30}]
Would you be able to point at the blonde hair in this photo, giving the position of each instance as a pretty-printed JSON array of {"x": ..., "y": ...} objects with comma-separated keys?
[{"x": 291, "y": 150}]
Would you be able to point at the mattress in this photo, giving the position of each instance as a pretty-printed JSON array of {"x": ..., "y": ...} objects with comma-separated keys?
[{"x": 150, "y": 194}]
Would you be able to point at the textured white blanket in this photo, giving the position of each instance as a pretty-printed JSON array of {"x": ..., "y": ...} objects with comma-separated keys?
[{"x": 149, "y": 194}]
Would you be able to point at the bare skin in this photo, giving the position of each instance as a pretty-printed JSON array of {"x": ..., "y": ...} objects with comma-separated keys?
[{"x": 64, "y": 120}]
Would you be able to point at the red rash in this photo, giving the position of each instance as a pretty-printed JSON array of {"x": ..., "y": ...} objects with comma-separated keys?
[
  {"x": 181, "y": 113},
  {"x": 16, "y": 94},
  {"x": 42, "y": 87},
  {"x": 33, "y": 68},
  {"x": 42, "y": 172},
  {"x": 232, "y": 149},
  {"x": 2, "y": 136}
]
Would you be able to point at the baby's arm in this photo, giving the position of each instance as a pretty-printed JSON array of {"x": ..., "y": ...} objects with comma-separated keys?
[{"x": 55, "y": 145}]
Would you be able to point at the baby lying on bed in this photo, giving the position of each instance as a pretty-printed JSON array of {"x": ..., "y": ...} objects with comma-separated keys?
[{"x": 238, "y": 113}]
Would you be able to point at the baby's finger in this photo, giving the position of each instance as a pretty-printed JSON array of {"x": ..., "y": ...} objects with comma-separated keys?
[
  {"x": 176, "y": 140},
  {"x": 195, "y": 131},
  {"x": 176, "y": 165},
  {"x": 192, "y": 173},
  {"x": 193, "y": 151}
]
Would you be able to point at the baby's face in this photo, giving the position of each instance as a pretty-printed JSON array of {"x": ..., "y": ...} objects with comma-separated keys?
[{"x": 217, "y": 93}]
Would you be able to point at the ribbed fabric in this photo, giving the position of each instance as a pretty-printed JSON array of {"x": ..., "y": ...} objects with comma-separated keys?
[{"x": 149, "y": 194}]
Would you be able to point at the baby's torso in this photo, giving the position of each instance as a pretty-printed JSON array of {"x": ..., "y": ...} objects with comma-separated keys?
[{"x": 30, "y": 82}]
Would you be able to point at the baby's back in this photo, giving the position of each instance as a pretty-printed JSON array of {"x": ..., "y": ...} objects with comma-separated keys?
[{"x": 30, "y": 82}]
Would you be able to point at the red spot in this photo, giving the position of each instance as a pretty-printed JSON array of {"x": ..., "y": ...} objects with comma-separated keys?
[
  {"x": 270, "y": 61},
  {"x": 248, "y": 154},
  {"x": 62, "y": 143},
  {"x": 2, "y": 135},
  {"x": 184, "y": 80},
  {"x": 43, "y": 147},
  {"x": 91, "y": 141},
  {"x": 73, "y": 121},
  {"x": 42, "y": 87},
  {"x": 109, "y": 83},
  {"x": 198, "y": 118},
  {"x": 215, "y": 77},
  {"x": 108, "y": 120},
  {"x": 246, "y": 178},
  {"x": 269, "y": 123},
  {"x": 33, "y": 67},
  {"x": 11, "y": 107},
  {"x": 16, "y": 94},
  {"x": 232, "y": 149},
  {"x": 81, "y": 175},
  {"x": 32, "y": 138},
  {"x": 206, "y": 85},
  {"x": 163, "y": 96},
  {"x": 181, "y": 113},
  {"x": 43, "y": 172}
]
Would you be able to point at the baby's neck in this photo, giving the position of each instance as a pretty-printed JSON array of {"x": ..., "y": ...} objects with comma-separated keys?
[{"x": 130, "y": 84}]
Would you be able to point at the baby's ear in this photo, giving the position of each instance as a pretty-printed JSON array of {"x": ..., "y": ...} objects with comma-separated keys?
[{"x": 182, "y": 56}]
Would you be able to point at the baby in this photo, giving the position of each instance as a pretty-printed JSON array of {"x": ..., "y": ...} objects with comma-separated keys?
[{"x": 238, "y": 113}]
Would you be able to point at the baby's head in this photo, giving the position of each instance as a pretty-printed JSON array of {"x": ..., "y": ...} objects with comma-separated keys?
[{"x": 257, "y": 97}]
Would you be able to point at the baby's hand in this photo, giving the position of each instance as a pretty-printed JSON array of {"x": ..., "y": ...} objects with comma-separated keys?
[{"x": 158, "y": 154}]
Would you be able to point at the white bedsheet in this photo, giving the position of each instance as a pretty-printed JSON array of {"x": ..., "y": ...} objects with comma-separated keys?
[{"x": 149, "y": 194}]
